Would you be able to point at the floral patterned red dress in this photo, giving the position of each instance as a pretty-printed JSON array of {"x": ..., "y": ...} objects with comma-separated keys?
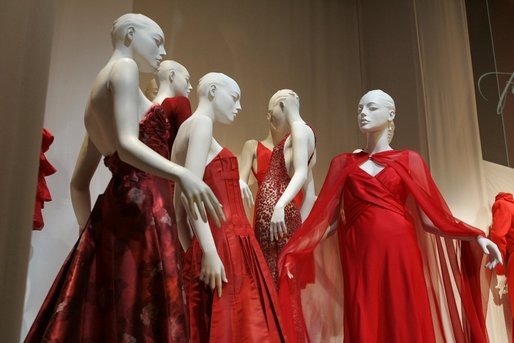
[{"x": 122, "y": 280}]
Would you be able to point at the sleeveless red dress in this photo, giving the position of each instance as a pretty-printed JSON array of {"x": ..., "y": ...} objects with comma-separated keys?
[
  {"x": 248, "y": 309},
  {"x": 122, "y": 281}
]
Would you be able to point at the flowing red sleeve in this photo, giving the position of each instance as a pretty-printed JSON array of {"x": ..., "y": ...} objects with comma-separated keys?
[
  {"x": 310, "y": 285},
  {"x": 502, "y": 218},
  {"x": 453, "y": 264}
]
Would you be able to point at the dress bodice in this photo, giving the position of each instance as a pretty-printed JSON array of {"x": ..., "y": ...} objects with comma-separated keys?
[
  {"x": 263, "y": 156},
  {"x": 385, "y": 190},
  {"x": 222, "y": 176},
  {"x": 154, "y": 131}
]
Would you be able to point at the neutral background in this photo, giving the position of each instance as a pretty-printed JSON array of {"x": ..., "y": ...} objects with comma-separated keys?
[{"x": 328, "y": 51}]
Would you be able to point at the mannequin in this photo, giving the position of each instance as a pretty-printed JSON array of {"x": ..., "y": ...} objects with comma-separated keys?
[
  {"x": 256, "y": 155},
  {"x": 290, "y": 171},
  {"x": 502, "y": 233},
  {"x": 172, "y": 80},
  {"x": 241, "y": 305},
  {"x": 151, "y": 90},
  {"x": 121, "y": 281},
  {"x": 174, "y": 87},
  {"x": 394, "y": 234}
]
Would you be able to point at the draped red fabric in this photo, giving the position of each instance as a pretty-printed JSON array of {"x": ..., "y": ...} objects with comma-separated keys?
[
  {"x": 42, "y": 192},
  {"x": 311, "y": 263}
]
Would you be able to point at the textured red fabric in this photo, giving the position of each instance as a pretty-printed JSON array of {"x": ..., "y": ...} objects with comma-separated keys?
[
  {"x": 271, "y": 189},
  {"x": 177, "y": 109},
  {"x": 122, "y": 282},
  {"x": 248, "y": 309},
  {"x": 393, "y": 279},
  {"x": 42, "y": 191},
  {"x": 502, "y": 228}
]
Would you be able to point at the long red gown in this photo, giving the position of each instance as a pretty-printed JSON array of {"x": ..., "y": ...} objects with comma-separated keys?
[
  {"x": 502, "y": 233},
  {"x": 270, "y": 190},
  {"x": 389, "y": 275},
  {"x": 248, "y": 309},
  {"x": 122, "y": 280}
]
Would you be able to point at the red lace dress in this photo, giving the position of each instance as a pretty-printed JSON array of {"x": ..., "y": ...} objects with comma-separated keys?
[
  {"x": 248, "y": 309},
  {"x": 390, "y": 275},
  {"x": 42, "y": 191},
  {"x": 122, "y": 280},
  {"x": 502, "y": 233},
  {"x": 270, "y": 190}
]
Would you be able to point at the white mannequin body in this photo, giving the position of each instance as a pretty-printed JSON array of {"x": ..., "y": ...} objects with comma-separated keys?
[
  {"x": 299, "y": 147},
  {"x": 172, "y": 80},
  {"x": 194, "y": 148},
  {"x": 376, "y": 112},
  {"x": 112, "y": 115}
]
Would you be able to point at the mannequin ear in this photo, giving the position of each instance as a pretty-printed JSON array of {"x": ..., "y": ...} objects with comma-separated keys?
[
  {"x": 391, "y": 115},
  {"x": 129, "y": 36},
  {"x": 212, "y": 91},
  {"x": 282, "y": 105},
  {"x": 172, "y": 75},
  {"x": 268, "y": 116}
]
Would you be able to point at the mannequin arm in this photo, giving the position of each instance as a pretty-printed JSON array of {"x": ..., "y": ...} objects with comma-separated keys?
[
  {"x": 309, "y": 197},
  {"x": 488, "y": 247},
  {"x": 499, "y": 229},
  {"x": 124, "y": 84},
  {"x": 300, "y": 134},
  {"x": 87, "y": 162},
  {"x": 184, "y": 231},
  {"x": 213, "y": 272},
  {"x": 247, "y": 158}
]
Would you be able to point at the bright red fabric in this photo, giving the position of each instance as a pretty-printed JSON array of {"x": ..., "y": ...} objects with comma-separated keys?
[
  {"x": 390, "y": 276},
  {"x": 248, "y": 310},
  {"x": 122, "y": 282},
  {"x": 42, "y": 192}
]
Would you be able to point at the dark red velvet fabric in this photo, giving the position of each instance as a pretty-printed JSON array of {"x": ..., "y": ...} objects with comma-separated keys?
[{"x": 42, "y": 192}]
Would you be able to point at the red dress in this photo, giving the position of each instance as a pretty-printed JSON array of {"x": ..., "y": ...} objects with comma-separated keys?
[
  {"x": 389, "y": 275},
  {"x": 42, "y": 191},
  {"x": 502, "y": 233},
  {"x": 122, "y": 281},
  {"x": 248, "y": 308}
]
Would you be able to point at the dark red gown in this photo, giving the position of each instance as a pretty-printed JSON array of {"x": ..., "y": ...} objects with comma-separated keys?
[
  {"x": 248, "y": 309},
  {"x": 270, "y": 190},
  {"x": 502, "y": 233},
  {"x": 389, "y": 275},
  {"x": 122, "y": 280}
]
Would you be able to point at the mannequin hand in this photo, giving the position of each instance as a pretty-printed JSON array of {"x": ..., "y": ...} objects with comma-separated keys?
[
  {"x": 213, "y": 272},
  {"x": 278, "y": 224},
  {"x": 501, "y": 285},
  {"x": 490, "y": 248},
  {"x": 246, "y": 193},
  {"x": 198, "y": 193}
]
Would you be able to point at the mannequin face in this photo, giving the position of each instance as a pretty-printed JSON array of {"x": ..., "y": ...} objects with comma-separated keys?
[
  {"x": 147, "y": 46},
  {"x": 373, "y": 113},
  {"x": 181, "y": 84},
  {"x": 276, "y": 116},
  {"x": 226, "y": 103}
]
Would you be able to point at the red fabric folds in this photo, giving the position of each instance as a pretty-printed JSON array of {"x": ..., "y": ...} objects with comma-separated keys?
[
  {"x": 42, "y": 191},
  {"x": 315, "y": 260}
]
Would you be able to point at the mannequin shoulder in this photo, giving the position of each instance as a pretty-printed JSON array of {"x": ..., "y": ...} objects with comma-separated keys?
[
  {"x": 123, "y": 71},
  {"x": 250, "y": 145}
]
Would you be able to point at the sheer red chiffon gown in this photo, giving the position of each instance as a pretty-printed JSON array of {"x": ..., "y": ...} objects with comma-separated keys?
[
  {"x": 502, "y": 233},
  {"x": 248, "y": 309},
  {"x": 388, "y": 273},
  {"x": 122, "y": 280}
]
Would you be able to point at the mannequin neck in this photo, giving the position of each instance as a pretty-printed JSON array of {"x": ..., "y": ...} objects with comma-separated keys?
[
  {"x": 377, "y": 142},
  {"x": 204, "y": 108},
  {"x": 165, "y": 91},
  {"x": 121, "y": 51}
]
